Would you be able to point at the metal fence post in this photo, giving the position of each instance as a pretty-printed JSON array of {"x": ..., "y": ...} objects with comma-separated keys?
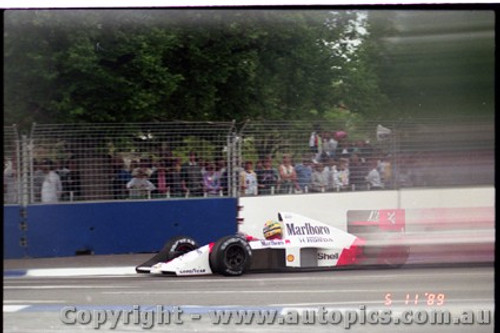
[
  {"x": 232, "y": 153},
  {"x": 233, "y": 157},
  {"x": 25, "y": 163}
]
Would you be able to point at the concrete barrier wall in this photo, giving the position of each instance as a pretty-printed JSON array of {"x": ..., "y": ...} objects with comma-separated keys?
[
  {"x": 117, "y": 227},
  {"x": 144, "y": 226},
  {"x": 331, "y": 208},
  {"x": 12, "y": 233}
]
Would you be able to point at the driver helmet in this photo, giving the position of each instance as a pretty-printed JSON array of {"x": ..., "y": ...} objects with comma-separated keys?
[{"x": 272, "y": 230}]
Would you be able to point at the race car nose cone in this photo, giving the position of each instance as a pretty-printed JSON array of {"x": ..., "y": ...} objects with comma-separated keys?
[{"x": 156, "y": 268}]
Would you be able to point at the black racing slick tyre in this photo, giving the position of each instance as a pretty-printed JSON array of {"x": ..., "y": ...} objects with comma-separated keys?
[
  {"x": 178, "y": 246},
  {"x": 231, "y": 256},
  {"x": 172, "y": 249}
]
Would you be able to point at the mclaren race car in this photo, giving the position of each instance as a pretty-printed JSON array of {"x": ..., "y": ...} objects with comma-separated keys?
[{"x": 294, "y": 242}]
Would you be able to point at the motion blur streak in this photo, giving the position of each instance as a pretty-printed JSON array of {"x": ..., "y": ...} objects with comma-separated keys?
[{"x": 438, "y": 235}]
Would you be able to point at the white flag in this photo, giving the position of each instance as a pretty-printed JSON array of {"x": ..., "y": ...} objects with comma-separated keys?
[{"x": 383, "y": 133}]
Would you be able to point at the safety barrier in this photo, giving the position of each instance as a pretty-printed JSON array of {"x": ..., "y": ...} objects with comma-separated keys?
[
  {"x": 143, "y": 226},
  {"x": 446, "y": 225},
  {"x": 114, "y": 227},
  {"x": 332, "y": 208},
  {"x": 13, "y": 235}
]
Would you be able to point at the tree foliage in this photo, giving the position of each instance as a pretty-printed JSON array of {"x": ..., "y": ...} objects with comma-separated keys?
[
  {"x": 162, "y": 65},
  {"x": 434, "y": 63}
]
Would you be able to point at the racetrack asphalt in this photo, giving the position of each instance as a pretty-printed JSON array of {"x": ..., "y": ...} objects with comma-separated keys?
[{"x": 36, "y": 291}]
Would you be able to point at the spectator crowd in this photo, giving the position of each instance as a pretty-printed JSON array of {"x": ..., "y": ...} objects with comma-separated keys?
[{"x": 331, "y": 163}]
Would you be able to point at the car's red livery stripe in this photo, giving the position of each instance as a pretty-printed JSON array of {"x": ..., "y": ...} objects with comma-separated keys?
[{"x": 351, "y": 255}]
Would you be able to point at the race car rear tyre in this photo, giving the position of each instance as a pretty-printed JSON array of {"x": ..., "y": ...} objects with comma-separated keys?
[
  {"x": 394, "y": 256},
  {"x": 173, "y": 248},
  {"x": 230, "y": 256}
]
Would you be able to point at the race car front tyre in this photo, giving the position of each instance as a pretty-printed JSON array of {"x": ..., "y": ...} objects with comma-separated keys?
[
  {"x": 173, "y": 248},
  {"x": 178, "y": 246},
  {"x": 230, "y": 256}
]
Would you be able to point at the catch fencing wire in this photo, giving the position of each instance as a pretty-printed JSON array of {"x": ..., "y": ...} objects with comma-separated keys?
[
  {"x": 97, "y": 154},
  {"x": 12, "y": 165},
  {"x": 93, "y": 160}
]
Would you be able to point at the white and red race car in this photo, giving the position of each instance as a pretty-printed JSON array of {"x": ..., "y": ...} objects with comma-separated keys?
[{"x": 305, "y": 244}]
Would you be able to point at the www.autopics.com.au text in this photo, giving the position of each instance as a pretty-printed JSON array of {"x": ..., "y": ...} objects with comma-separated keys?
[{"x": 150, "y": 316}]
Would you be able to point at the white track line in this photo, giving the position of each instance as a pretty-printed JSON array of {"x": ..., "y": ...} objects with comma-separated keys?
[
  {"x": 55, "y": 272},
  {"x": 71, "y": 286},
  {"x": 14, "y": 308},
  {"x": 121, "y": 271}
]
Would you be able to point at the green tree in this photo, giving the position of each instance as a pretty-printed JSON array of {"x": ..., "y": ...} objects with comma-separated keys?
[{"x": 163, "y": 65}]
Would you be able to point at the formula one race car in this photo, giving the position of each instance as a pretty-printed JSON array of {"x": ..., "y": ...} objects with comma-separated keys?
[{"x": 295, "y": 242}]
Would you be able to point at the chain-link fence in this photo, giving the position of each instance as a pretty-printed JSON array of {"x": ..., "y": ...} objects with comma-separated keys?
[
  {"x": 291, "y": 157},
  {"x": 11, "y": 165},
  {"x": 138, "y": 161},
  {"x": 443, "y": 153},
  {"x": 88, "y": 162}
]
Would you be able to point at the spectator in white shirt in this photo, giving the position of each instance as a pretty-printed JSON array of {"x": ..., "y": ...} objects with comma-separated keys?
[
  {"x": 373, "y": 178},
  {"x": 51, "y": 186},
  {"x": 139, "y": 186},
  {"x": 319, "y": 179}
]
